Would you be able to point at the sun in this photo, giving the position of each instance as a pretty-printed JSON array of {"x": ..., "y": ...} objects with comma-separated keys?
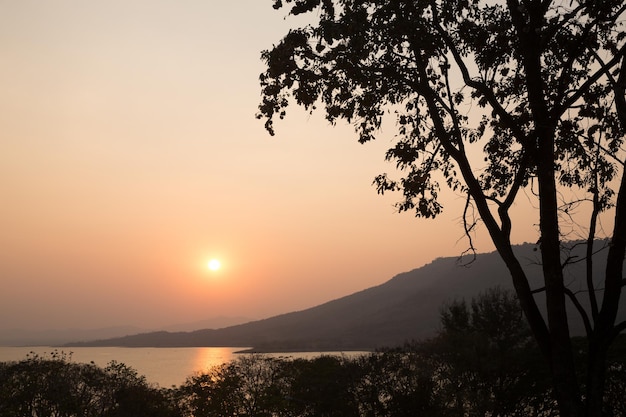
[{"x": 214, "y": 264}]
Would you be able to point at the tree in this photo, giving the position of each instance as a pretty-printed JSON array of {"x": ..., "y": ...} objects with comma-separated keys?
[
  {"x": 251, "y": 385},
  {"x": 323, "y": 387},
  {"x": 537, "y": 87},
  {"x": 53, "y": 385},
  {"x": 398, "y": 382},
  {"x": 486, "y": 360}
]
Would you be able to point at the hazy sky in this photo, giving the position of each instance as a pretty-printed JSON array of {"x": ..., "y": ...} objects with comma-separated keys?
[{"x": 130, "y": 156}]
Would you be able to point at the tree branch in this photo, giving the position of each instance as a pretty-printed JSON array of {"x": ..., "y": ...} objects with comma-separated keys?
[
  {"x": 619, "y": 327},
  {"x": 518, "y": 182},
  {"x": 501, "y": 241},
  {"x": 483, "y": 89},
  {"x": 593, "y": 301},
  {"x": 581, "y": 310},
  {"x": 577, "y": 305},
  {"x": 604, "y": 70},
  {"x": 468, "y": 228},
  {"x": 613, "y": 280}
]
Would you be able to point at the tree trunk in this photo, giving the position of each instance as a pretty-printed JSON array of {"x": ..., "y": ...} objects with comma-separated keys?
[
  {"x": 604, "y": 330},
  {"x": 561, "y": 356},
  {"x": 529, "y": 24},
  {"x": 596, "y": 376}
]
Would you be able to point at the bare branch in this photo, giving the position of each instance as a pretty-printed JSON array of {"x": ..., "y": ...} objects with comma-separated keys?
[
  {"x": 581, "y": 310},
  {"x": 468, "y": 227},
  {"x": 538, "y": 290},
  {"x": 619, "y": 327},
  {"x": 569, "y": 260}
]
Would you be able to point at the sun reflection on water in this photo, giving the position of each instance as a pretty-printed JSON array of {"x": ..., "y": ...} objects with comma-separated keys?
[{"x": 209, "y": 357}]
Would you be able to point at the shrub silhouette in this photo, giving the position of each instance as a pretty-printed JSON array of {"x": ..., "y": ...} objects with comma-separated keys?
[{"x": 54, "y": 386}]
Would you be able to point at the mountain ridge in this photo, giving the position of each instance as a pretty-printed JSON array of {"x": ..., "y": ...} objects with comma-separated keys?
[
  {"x": 59, "y": 336},
  {"x": 404, "y": 308}
]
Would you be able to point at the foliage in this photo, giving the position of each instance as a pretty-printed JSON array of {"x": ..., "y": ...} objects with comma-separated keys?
[
  {"x": 248, "y": 386},
  {"x": 323, "y": 387},
  {"x": 487, "y": 362},
  {"x": 364, "y": 58},
  {"x": 54, "y": 386},
  {"x": 490, "y": 99},
  {"x": 399, "y": 382}
]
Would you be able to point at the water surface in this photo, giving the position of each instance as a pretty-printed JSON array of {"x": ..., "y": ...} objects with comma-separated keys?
[{"x": 163, "y": 366}]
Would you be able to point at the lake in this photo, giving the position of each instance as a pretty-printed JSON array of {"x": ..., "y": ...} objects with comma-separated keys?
[{"x": 164, "y": 366}]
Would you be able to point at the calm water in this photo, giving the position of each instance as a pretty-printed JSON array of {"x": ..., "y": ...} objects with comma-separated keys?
[{"x": 164, "y": 366}]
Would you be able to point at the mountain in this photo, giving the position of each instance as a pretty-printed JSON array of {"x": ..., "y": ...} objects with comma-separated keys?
[
  {"x": 403, "y": 308},
  {"x": 55, "y": 337},
  {"x": 23, "y": 337},
  {"x": 212, "y": 323}
]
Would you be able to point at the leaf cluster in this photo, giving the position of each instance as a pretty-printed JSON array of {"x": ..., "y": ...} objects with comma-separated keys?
[{"x": 453, "y": 75}]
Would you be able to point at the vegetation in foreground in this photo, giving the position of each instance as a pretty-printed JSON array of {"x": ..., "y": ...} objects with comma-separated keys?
[{"x": 483, "y": 362}]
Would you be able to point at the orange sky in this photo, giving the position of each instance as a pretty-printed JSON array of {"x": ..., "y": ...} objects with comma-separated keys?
[{"x": 130, "y": 156}]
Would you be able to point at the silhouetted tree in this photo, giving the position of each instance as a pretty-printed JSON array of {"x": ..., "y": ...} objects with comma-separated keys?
[
  {"x": 54, "y": 386},
  {"x": 487, "y": 364},
  {"x": 490, "y": 97},
  {"x": 399, "y": 382},
  {"x": 248, "y": 386}
]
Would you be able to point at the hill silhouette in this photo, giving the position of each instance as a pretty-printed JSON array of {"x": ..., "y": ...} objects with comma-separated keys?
[{"x": 404, "y": 308}]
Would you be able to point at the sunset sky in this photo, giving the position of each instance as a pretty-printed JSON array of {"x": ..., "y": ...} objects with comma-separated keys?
[{"x": 130, "y": 157}]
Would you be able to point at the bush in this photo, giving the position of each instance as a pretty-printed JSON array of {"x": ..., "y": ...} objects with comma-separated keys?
[{"x": 53, "y": 386}]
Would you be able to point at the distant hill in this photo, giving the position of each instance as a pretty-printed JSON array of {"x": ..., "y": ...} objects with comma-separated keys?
[
  {"x": 402, "y": 309},
  {"x": 55, "y": 337},
  {"x": 52, "y": 337},
  {"x": 212, "y": 323}
]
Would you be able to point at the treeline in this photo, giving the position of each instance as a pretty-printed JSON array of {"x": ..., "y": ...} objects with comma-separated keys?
[
  {"x": 54, "y": 386},
  {"x": 483, "y": 362}
]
